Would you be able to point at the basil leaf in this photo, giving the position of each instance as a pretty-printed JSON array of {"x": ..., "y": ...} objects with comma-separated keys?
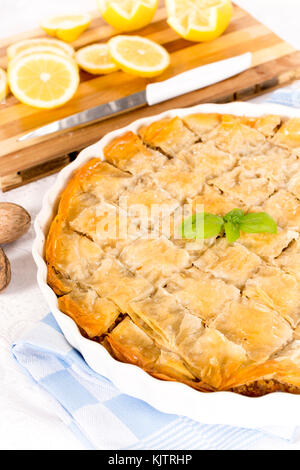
[
  {"x": 232, "y": 231},
  {"x": 234, "y": 216},
  {"x": 258, "y": 222},
  {"x": 187, "y": 228},
  {"x": 203, "y": 225}
]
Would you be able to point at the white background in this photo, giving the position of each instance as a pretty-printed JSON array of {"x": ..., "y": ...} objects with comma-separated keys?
[{"x": 28, "y": 418}]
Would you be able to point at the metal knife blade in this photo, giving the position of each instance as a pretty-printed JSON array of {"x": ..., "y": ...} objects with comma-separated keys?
[
  {"x": 154, "y": 93},
  {"x": 113, "y": 108}
]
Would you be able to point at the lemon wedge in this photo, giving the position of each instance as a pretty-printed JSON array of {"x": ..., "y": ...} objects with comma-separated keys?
[
  {"x": 201, "y": 20},
  {"x": 96, "y": 59},
  {"x": 3, "y": 84},
  {"x": 22, "y": 46},
  {"x": 43, "y": 80},
  {"x": 127, "y": 15},
  {"x": 67, "y": 28},
  {"x": 139, "y": 56}
]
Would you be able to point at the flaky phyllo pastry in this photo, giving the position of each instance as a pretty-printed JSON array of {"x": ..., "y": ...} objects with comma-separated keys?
[{"x": 205, "y": 312}]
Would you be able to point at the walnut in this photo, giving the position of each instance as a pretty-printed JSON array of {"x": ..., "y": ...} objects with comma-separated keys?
[
  {"x": 14, "y": 222},
  {"x": 5, "y": 272}
]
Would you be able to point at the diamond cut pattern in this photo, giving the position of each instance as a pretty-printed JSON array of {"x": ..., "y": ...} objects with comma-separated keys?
[{"x": 174, "y": 272}]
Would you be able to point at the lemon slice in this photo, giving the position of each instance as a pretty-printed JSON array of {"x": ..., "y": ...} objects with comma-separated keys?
[
  {"x": 22, "y": 46},
  {"x": 41, "y": 49},
  {"x": 127, "y": 15},
  {"x": 138, "y": 56},
  {"x": 201, "y": 20},
  {"x": 3, "y": 84},
  {"x": 68, "y": 27},
  {"x": 43, "y": 80},
  {"x": 96, "y": 59}
]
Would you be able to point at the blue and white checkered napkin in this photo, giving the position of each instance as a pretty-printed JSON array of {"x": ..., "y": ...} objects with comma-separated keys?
[
  {"x": 103, "y": 417},
  {"x": 288, "y": 96}
]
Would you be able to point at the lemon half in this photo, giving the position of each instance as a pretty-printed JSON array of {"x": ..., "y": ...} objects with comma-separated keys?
[
  {"x": 127, "y": 15},
  {"x": 199, "y": 20}
]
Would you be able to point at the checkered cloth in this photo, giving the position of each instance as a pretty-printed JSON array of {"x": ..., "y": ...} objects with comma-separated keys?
[
  {"x": 289, "y": 96},
  {"x": 103, "y": 417}
]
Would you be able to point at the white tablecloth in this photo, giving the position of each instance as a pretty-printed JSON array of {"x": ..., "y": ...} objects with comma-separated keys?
[{"x": 28, "y": 419}]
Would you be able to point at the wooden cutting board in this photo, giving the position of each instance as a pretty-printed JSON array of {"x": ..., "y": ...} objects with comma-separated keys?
[{"x": 274, "y": 63}]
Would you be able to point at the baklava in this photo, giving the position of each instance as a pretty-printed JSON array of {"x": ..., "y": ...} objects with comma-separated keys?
[{"x": 208, "y": 313}]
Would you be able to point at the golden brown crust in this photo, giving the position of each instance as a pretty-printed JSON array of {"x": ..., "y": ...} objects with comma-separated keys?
[
  {"x": 201, "y": 124},
  {"x": 209, "y": 314},
  {"x": 170, "y": 135},
  {"x": 128, "y": 153},
  {"x": 130, "y": 344},
  {"x": 92, "y": 314},
  {"x": 267, "y": 125},
  {"x": 57, "y": 282},
  {"x": 288, "y": 136},
  {"x": 123, "y": 148}
]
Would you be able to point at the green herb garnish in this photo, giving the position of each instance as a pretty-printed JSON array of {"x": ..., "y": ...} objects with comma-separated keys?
[
  {"x": 201, "y": 225},
  {"x": 205, "y": 225}
]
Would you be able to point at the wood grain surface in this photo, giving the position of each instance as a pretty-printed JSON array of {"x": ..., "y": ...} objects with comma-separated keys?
[{"x": 275, "y": 63}]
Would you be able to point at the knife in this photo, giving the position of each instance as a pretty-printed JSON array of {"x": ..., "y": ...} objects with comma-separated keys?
[{"x": 154, "y": 93}]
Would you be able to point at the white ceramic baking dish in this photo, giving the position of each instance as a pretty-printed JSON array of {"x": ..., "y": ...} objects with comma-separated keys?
[{"x": 169, "y": 397}]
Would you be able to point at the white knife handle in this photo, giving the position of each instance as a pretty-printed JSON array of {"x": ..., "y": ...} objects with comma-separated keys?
[{"x": 197, "y": 78}]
